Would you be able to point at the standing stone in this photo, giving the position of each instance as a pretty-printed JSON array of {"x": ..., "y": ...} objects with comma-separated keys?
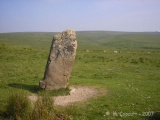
[{"x": 60, "y": 61}]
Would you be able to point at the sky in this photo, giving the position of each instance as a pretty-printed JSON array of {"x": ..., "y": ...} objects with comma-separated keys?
[{"x": 79, "y": 15}]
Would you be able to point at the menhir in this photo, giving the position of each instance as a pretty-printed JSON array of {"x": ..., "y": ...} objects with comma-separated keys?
[{"x": 60, "y": 61}]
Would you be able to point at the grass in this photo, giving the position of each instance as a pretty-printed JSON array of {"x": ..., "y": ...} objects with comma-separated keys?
[
  {"x": 131, "y": 76},
  {"x": 88, "y": 40},
  {"x": 62, "y": 92},
  {"x": 19, "y": 107},
  {"x": 43, "y": 109}
]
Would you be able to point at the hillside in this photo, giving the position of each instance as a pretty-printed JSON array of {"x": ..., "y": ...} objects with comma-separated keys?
[
  {"x": 127, "y": 80},
  {"x": 89, "y": 39}
]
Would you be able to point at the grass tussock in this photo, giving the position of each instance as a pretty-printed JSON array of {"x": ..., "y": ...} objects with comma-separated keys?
[
  {"x": 19, "y": 107},
  {"x": 44, "y": 109}
]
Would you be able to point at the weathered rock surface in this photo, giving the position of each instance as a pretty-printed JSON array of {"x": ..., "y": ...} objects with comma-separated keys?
[{"x": 60, "y": 61}]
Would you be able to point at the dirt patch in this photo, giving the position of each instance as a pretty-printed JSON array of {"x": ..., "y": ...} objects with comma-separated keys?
[{"x": 77, "y": 93}]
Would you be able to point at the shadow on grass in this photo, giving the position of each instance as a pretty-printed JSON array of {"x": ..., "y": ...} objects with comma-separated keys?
[
  {"x": 31, "y": 88},
  {"x": 37, "y": 90}
]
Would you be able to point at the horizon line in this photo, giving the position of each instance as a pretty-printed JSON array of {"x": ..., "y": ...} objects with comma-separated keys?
[{"x": 82, "y": 31}]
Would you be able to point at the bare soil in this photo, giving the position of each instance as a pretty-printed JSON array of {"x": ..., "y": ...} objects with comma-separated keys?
[{"x": 77, "y": 93}]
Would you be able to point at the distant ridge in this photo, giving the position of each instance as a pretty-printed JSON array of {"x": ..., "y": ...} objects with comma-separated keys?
[
  {"x": 89, "y": 39},
  {"x": 87, "y": 31}
]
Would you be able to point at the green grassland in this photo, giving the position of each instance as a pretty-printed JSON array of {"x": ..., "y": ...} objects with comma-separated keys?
[
  {"x": 89, "y": 39},
  {"x": 130, "y": 77}
]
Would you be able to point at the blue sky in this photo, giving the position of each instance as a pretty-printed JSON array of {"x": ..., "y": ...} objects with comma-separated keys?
[{"x": 59, "y": 15}]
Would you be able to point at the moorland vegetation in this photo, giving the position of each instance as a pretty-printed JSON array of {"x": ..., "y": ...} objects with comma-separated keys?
[{"x": 130, "y": 76}]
